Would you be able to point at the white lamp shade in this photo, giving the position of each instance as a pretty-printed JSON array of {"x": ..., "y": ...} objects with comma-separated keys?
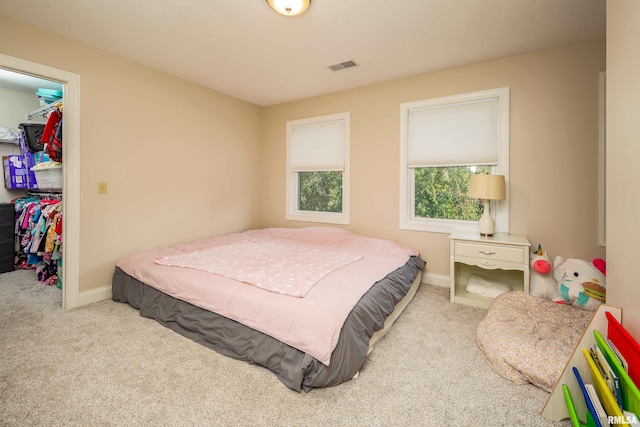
[{"x": 483, "y": 186}]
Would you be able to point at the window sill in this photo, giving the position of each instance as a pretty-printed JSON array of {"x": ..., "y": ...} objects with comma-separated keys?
[
  {"x": 321, "y": 217},
  {"x": 441, "y": 226}
]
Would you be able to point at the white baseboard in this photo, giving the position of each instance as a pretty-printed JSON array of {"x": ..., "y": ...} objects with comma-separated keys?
[
  {"x": 94, "y": 295},
  {"x": 436, "y": 280}
]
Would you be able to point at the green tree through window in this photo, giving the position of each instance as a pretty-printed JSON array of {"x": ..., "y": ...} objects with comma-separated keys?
[
  {"x": 320, "y": 191},
  {"x": 441, "y": 193}
]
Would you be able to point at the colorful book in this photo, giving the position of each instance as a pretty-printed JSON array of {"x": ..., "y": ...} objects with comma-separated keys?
[
  {"x": 596, "y": 355},
  {"x": 600, "y": 413},
  {"x": 588, "y": 399},
  {"x": 602, "y": 390},
  {"x": 629, "y": 390},
  {"x": 608, "y": 374},
  {"x": 617, "y": 353}
]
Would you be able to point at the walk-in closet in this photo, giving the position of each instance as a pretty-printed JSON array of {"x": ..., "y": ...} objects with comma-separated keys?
[{"x": 31, "y": 144}]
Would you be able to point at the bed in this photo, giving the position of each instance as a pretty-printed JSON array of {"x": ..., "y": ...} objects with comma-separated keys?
[{"x": 307, "y": 303}]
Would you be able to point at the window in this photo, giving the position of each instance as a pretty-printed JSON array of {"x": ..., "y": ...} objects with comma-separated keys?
[
  {"x": 318, "y": 169},
  {"x": 444, "y": 141}
]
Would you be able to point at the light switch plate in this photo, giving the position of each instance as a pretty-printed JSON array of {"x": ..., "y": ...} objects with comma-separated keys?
[{"x": 102, "y": 188}]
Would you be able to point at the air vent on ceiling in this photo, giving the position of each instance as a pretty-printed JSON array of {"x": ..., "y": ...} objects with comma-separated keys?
[{"x": 342, "y": 65}]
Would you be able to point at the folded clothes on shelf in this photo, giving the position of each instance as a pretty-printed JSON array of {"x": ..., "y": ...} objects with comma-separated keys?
[{"x": 486, "y": 288}]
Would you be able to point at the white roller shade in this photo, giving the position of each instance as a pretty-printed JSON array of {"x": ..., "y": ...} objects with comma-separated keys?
[
  {"x": 317, "y": 147},
  {"x": 457, "y": 134}
]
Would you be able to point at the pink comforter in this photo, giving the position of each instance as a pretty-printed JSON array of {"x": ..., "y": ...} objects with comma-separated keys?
[
  {"x": 311, "y": 324},
  {"x": 286, "y": 269}
]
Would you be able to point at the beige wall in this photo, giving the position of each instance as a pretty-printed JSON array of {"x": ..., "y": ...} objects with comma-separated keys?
[
  {"x": 623, "y": 152},
  {"x": 182, "y": 162},
  {"x": 553, "y": 149}
]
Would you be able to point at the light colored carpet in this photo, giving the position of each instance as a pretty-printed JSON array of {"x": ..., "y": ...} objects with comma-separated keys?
[{"x": 104, "y": 365}]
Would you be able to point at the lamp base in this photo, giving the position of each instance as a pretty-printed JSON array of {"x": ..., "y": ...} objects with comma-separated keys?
[{"x": 486, "y": 224}]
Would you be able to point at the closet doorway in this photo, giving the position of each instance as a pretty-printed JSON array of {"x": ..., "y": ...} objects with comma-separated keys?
[{"x": 71, "y": 168}]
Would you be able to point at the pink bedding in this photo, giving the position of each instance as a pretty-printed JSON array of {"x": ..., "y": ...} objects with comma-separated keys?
[
  {"x": 311, "y": 324},
  {"x": 281, "y": 268}
]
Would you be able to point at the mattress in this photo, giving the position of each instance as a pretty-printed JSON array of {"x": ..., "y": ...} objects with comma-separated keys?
[{"x": 295, "y": 367}]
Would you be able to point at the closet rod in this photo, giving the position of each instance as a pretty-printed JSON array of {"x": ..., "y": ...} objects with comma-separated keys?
[
  {"x": 44, "y": 195},
  {"x": 43, "y": 111}
]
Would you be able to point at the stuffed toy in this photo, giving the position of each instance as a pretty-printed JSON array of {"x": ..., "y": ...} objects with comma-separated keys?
[
  {"x": 581, "y": 283},
  {"x": 541, "y": 282}
]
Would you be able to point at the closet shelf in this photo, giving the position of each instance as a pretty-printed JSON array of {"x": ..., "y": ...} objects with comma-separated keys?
[{"x": 43, "y": 111}]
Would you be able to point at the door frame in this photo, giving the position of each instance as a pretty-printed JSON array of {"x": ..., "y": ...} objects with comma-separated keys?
[{"x": 71, "y": 169}]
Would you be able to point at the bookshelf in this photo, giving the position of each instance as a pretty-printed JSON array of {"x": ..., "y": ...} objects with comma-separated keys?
[{"x": 556, "y": 408}]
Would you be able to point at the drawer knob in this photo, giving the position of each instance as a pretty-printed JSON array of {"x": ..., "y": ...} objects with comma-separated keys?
[
  {"x": 487, "y": 252},
  {"x": 487, "y": 263}
]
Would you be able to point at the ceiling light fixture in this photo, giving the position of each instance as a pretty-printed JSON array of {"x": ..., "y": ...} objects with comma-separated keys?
[{"x": 289, "y": 7}]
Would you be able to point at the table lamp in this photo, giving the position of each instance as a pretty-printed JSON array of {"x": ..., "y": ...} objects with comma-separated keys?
[{"x": 486, "y": 187}]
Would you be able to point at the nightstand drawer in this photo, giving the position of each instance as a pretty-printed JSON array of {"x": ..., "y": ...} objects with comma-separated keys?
[{"x": 489, "y": 252}]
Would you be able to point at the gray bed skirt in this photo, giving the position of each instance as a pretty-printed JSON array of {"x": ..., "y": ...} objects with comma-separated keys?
[{"x": 296, "y": 369}]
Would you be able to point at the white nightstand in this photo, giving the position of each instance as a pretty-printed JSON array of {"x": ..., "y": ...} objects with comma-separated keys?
[{"x": 501, "y": 258}]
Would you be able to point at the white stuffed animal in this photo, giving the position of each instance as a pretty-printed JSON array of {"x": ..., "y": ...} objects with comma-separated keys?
[
  {"x": 581, "y": 283},
  {"x": 541, "y": 282}
]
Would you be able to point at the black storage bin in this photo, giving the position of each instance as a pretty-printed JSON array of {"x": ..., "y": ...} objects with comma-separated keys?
[
  {"x": 7, "y": 237},
  {"x": 6, "y": 247},
  {"x": 7, "y": 229},
  {"x": 7, "y": 264},
  {"x": 7, "y": 213},
  {"x": 33, "y": 135}
]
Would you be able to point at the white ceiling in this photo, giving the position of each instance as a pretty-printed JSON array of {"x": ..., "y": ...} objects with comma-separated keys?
[
  {"x": 24, "y": 82},
  {"x": 244, "y": 49}
]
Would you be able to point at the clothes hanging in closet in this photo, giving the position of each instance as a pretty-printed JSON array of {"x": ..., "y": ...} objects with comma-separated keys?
[
  {"x": 38, "y": 243},
  {"x": 52, "y": 135}
]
